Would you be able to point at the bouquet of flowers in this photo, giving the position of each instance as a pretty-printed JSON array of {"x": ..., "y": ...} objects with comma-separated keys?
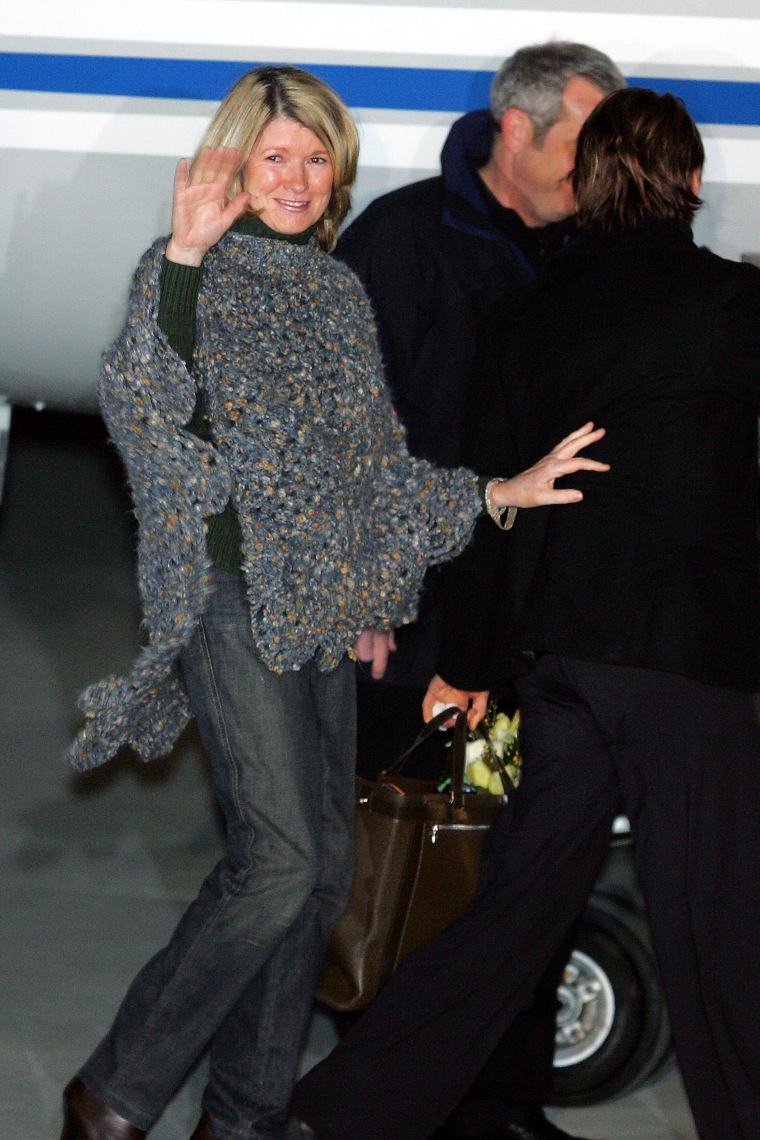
[{"x": 483, "y": 751}]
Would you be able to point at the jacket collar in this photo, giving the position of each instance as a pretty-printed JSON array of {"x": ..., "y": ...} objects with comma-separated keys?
[
  {"x": 648, "y": 234},
  {"x": 467, "y": 148},
  {"x": 469, "y": 206}
]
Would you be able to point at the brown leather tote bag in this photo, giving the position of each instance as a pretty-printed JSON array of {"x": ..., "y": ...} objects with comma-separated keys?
[{"x": 417, "y": 859}]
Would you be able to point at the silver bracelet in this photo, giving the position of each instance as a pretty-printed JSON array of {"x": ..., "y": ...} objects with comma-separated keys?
[{"x": 497, "y": 513}]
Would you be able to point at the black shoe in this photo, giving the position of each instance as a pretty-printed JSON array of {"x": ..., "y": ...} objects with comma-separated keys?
[{"x": 537, "y": 1127}]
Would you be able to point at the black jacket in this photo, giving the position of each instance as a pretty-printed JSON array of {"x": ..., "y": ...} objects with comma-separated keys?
[
  {"x": 659, "y": 342},
  {"x": 433, "y": 257}
]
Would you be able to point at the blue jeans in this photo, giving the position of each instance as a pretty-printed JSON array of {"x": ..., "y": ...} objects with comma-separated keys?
[{"x": 240, "y": 970}]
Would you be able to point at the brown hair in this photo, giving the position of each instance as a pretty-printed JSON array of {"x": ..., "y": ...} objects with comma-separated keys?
[
  {"x": 267, "y": 93},
  {"x": 637, "y": 155}
]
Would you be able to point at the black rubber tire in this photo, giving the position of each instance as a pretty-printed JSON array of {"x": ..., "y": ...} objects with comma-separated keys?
[{"x": 626, "y": 1027}]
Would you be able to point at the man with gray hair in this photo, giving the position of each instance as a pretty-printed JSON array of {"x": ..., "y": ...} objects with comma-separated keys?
[
  {"x": 434, "y": 257},
  {"x": 540, "y": 99}
]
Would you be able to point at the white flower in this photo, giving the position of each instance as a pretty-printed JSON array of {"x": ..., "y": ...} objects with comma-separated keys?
[{"x": 474, "y": 750}]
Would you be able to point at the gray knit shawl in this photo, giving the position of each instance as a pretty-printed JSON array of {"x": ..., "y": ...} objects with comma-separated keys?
[{"x": 339, "y": 523}]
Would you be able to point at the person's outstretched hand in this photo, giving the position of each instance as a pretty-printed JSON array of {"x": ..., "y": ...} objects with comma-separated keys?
[
  {"x": 201, "y": 214},
  {"x": 535, "y": 487}
]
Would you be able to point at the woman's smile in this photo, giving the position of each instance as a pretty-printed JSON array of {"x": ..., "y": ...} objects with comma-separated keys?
[{"x": 289, "y": 176}]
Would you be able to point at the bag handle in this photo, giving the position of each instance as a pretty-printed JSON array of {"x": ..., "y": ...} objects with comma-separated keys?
[
  {"x": 425, "y": 732},
  {"x": 458, "y": 754},
  {"x": 458, "y": 760}
]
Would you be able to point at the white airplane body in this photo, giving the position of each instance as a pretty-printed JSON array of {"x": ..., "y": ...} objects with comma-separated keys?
[{"x": 98, "y": 101}]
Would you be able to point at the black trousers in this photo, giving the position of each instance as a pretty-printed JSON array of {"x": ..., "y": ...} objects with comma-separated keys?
[
  {"x": 685, "y": 758},
  {"x": 517, "y": 1080}
]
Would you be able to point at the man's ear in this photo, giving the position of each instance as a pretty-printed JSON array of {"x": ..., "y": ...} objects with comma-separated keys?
[
  {"x": 516, "y": 129},
  {"x": 696, "y": 182}
]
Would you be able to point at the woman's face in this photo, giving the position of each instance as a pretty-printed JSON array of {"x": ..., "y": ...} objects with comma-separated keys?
[{"x": 289, "y": 176}]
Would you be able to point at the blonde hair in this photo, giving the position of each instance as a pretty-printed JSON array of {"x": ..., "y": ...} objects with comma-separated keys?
[{"x": 267, "y": 93}]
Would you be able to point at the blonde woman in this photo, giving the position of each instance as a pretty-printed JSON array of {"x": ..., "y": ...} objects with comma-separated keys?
[{"x": 280, "y": 514}]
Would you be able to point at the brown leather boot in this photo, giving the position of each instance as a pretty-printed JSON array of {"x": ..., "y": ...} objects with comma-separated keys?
[
  {"x": 204, "y": 1131},
  {"x": 87, "y": 1118}
]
